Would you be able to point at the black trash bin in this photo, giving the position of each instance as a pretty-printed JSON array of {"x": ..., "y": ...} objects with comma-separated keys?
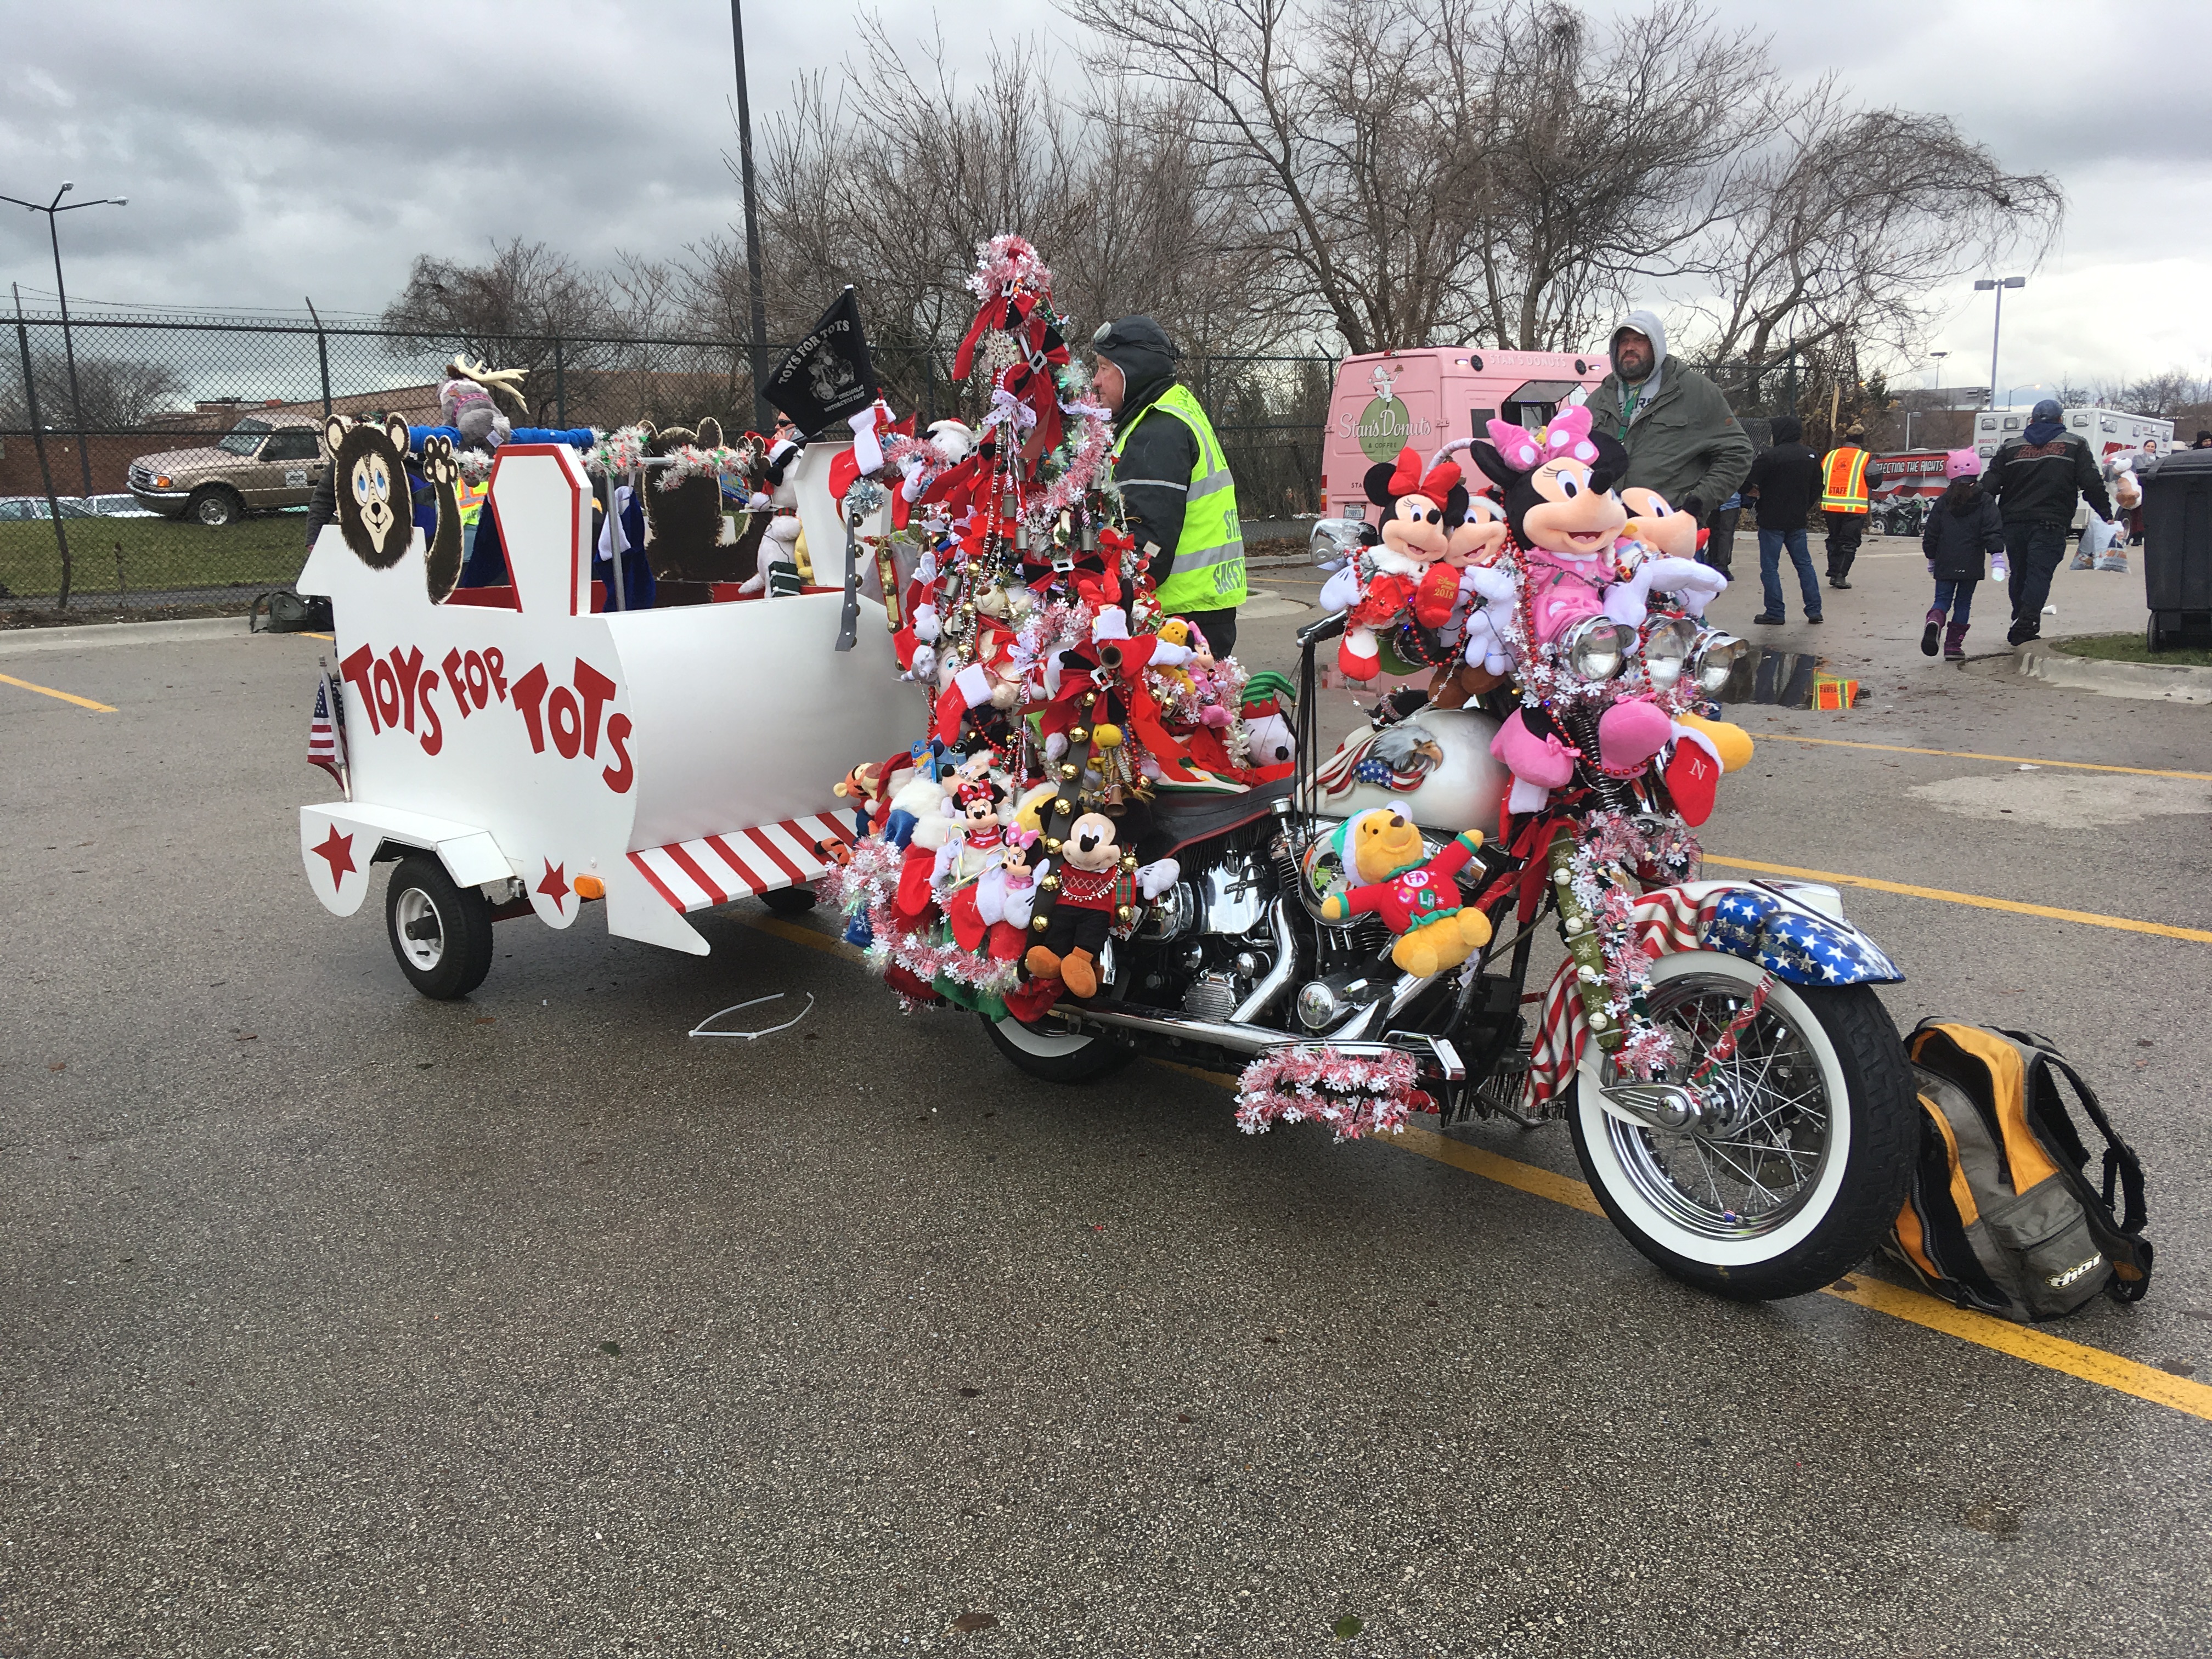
[{"x": 2177, "y": 511}]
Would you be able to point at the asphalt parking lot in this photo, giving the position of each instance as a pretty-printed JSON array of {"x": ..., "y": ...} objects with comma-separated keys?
[{"x": 339, "y": 1322}]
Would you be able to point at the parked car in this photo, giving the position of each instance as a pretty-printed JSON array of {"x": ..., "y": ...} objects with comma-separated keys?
[
  {"x": 16, "y": 509},
  {"x": 114, "y": 507},
  {"x": 257, "y": 467}
]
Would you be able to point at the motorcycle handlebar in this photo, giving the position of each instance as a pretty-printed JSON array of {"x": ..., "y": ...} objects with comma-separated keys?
[{"x": 1327, "y": 628}]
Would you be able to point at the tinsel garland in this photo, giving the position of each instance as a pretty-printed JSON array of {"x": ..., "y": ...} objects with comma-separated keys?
[
  {"x": 1185, "y": 694},
  {"x": 1081, "y": 459},
  {"x": 618, "y": 453},
  {"x": 1354, "y": 1096},
  {"x": 1061, "y": 625},
  {"x": 1597, "y": 907},
  {"x": 1008, "y": 265},
  {"x": 868, "y": 881}
]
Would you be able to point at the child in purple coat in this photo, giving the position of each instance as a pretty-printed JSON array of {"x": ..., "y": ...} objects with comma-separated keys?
[{"x": 1962, "y": 525}]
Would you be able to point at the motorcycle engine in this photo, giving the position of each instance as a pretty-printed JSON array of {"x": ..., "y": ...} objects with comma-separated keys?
[{"x": 1208, "y": 939}]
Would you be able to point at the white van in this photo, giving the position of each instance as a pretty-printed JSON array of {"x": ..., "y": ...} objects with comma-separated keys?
[{"x": 2107, "y": 431}]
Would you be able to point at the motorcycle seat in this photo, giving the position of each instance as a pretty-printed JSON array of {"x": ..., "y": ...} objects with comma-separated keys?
[{"x": 1178, "y": 821}]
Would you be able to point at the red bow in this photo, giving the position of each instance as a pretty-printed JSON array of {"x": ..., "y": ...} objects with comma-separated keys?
[{"x": 1407, "y": 479}]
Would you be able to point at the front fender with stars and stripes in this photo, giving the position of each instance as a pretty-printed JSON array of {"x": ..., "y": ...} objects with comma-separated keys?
[{"x": 1793, "y": 942}]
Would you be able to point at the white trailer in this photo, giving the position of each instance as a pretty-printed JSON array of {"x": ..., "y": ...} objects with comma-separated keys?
[{"x": 538, "y": 753}]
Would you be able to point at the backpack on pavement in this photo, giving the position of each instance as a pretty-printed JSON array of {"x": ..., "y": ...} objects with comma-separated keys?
[
  {"x": 281, "y": 611},
  {"x": 2002, "y": 1215}
]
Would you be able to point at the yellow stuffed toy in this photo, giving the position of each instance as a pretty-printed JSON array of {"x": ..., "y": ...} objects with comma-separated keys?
[
  {"x": 1419, "y": 901},
  {"x": 1731, "y": 740}
]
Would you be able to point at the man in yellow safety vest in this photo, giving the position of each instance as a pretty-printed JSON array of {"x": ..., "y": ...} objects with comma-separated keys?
[
  {"x": 1848, "y": 476},
  {"x": 1178, "y": 497}
]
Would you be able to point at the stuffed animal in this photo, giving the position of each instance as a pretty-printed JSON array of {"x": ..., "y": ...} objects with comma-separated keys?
[
  {"x": 1557, "y": 485},
  {"x": 1394, "y": 580},
  {"x": 1095, "y": 889},
  {"x": 481, "y": 403},
  {"x": 1658, "y": 549},
  {"x": 1477, "y": 541},
  {"x": 1418, "y": 899}
]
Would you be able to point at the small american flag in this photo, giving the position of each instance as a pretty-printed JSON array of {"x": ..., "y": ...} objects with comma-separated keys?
[{"x": 326, "y": 733}]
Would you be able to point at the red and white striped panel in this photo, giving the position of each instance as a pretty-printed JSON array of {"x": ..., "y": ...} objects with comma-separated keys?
[{"x": 697, "y": 875}]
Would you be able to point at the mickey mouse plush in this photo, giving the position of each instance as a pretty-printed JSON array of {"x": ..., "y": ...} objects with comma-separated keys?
[{"x": 1404, "y": 574}]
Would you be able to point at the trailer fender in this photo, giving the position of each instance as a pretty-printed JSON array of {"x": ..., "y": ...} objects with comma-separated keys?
[{"x": 339, "y": 840}]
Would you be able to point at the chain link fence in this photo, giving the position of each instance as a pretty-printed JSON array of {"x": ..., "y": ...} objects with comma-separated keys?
[{"x": 165, "y": 462}]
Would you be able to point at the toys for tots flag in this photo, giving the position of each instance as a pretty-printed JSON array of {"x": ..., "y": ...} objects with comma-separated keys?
[{"x": 828, "y": 377}]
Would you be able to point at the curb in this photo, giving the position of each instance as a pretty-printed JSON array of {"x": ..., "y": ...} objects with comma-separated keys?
[
  {"x": 22, "y": 641},
  {"x": 2040, "y": 660}
]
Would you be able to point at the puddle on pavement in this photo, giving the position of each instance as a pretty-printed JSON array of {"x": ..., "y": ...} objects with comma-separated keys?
[{"x": 2065, "y": 800}]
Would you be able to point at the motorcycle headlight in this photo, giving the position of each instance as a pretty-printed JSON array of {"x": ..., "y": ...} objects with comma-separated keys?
[
  {"x": 1713, "y": 659},
  {"x": 1596, "y": 649},
  {"x": 1667, "y": 650}
]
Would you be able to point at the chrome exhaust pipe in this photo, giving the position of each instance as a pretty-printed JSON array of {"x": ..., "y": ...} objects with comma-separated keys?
[
  {"x": 1278, "y": 978},
  {"x": 1215, "y": 1033}
]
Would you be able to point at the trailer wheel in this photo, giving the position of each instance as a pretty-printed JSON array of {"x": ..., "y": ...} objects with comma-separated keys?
[
  {"x": 441, "y": 934},
  {"x": 789, "y": 900}
]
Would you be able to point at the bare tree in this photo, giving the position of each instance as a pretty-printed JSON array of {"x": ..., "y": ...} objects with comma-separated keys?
[
  {"x": 1848, "y": 223},
  {"x": 117, "y": 394},
  {"x": 1423, "y": 169},
  {"x": 508, "y": 311}
]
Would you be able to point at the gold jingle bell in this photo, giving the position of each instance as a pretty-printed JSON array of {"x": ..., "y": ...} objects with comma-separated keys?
[
  {"x": 1037, "y": 925},
  {"x": 1124, "y": 915},
  {"x": 1050, "y": 883}
]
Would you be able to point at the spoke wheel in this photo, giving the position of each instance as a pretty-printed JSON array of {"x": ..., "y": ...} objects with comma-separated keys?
[{"x": 1800, "y": 1166}]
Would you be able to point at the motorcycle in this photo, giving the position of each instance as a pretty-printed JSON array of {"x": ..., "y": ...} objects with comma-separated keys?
[{"x": 1751, "y": 1135}]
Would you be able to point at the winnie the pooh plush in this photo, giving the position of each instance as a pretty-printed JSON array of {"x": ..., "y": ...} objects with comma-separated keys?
[{"x": 1419, "y": 900}]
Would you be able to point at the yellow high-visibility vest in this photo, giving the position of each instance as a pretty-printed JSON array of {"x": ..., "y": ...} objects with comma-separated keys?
[
  {"x": 1208, "y": 570},
  {"x": 1843, "y": 487}
]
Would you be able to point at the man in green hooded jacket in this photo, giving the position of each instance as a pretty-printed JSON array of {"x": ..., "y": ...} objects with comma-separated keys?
[{"x": 1683, "y": 441}]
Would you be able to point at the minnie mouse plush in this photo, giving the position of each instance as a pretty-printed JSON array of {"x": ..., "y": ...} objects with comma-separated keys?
[
  {"x": 1557, "y": 485},
  {"x": 1405, "y": 574}
]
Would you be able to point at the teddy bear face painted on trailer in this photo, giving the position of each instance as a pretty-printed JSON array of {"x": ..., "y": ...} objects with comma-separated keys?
[
  {"x": 374, "y": 504},
  {"x": 375, "y": 496}
]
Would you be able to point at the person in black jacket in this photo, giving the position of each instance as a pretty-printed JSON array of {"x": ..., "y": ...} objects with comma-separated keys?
[
  {"x": 1786, "y": 479},
  {"x": 1963, "y": 526},
  {"x": 2037, "y": 479},
  {"x": 1169, "y": 500}
]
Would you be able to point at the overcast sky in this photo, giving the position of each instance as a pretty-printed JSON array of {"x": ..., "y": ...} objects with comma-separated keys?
[{"x": 314, "y": 148}]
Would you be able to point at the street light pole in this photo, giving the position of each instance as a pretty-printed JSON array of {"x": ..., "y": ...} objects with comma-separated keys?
[
  {"x": 54, "y": 210},
  {"x": 763, "y": 411},
  {"x": 1997, "y": 328}
]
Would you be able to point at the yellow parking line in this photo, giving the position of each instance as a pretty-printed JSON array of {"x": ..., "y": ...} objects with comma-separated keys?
[
  {"x": 2107, "y": 1370},
  {"x": 1961, "y": 754},
  {"x": 48, "y": 691},
  {"x": 2086, "y": 918}
]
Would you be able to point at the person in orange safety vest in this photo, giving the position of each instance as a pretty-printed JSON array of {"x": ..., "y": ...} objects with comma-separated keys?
[{"x": 1848, "y": 477}]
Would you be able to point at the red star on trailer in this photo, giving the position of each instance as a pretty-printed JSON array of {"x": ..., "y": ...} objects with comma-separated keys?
[
  {"x": 554, "y": 883},
  {"x": 338, "y": 849}
]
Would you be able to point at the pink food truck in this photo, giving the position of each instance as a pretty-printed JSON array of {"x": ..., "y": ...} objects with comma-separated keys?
[{"x": 1425, "y": 398}]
